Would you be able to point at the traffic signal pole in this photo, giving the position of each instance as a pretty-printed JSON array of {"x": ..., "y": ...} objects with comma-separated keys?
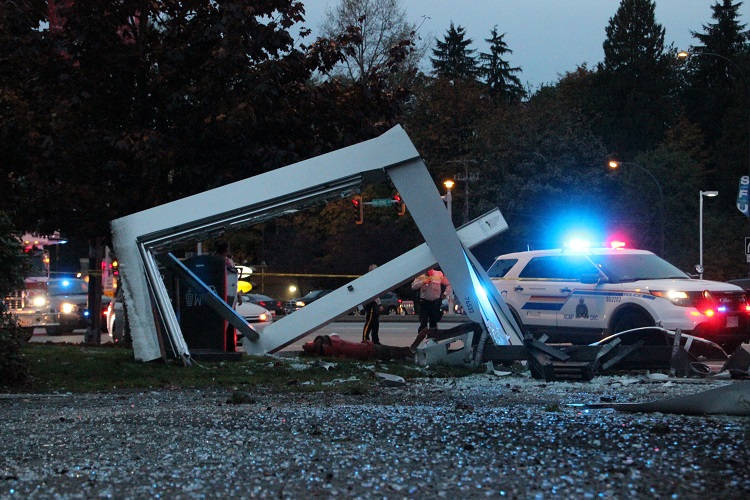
[{"x": 359, "y": 214}]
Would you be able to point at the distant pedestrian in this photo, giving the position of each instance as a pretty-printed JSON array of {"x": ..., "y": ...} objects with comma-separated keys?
[
  {"x": 372, "y": 318},
  {"x": 432, "y": 287},
  {"x": 221, "y": 249}
]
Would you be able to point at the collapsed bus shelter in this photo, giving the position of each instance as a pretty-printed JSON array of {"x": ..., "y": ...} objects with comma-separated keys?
[{"x": 144, "y": 239}]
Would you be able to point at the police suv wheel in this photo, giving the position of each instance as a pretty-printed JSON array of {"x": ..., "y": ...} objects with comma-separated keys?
[{"x": 631, "y": 320}]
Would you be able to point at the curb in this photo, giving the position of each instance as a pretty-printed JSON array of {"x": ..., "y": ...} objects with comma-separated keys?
[{"x": 402, "y": 318}]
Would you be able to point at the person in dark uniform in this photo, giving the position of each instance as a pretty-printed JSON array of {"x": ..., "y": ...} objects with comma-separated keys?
[{"x": 372, "y": 318}]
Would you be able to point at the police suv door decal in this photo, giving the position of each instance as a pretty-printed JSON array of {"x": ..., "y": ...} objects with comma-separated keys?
[
  {"x": 544, "y": 287},
  {"x": 541, "y": 302},
  {"x": 587, "y": 308}
]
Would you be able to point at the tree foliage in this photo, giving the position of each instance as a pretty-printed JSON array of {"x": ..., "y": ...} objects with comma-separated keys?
[
  {"x": 443, "y": 121},
  {"x": 718, "y": 91},
  {"x": 636, "y": 80},
  {"x": 544, "y": 164},
  {"x": 713, "y": 74},
  {"x": 382, "y": 27},
  {"x": 127, "y": 105},
  {"x": 13, "y": 268},
  {"x": 119, "y": 106},
  {"x": 497, "y": 73},
  {"x": 453, "y": 58}
]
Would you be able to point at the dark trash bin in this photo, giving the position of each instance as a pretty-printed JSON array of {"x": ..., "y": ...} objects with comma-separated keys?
[{"x": 202, "y": 327}]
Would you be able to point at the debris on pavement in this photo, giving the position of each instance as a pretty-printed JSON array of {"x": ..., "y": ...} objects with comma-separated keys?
[
  {"x": 390, "y": 380},
  {"x": 731, "y": 399}
]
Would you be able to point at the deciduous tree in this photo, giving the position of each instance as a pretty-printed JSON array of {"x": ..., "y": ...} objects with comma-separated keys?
[{"x": 381, "y": 26}]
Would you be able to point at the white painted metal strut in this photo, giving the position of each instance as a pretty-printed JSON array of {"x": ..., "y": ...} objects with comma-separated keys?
[{"x": 292, "y": 327}]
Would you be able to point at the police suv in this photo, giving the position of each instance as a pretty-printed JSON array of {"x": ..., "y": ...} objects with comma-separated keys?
[{"x": 581, "y": 296}]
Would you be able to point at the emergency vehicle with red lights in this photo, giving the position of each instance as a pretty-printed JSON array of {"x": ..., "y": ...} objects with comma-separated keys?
[
  {"x": 30, "y": 305},
  {"x": 581, "y": 295}
]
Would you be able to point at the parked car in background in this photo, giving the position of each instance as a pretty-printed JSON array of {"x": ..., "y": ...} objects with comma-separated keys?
[
  {"x": 390, "y": 304},
  {"x": 256, "y": 316},
  {"x": 275, "y": 306},
  {"x": 743, "y": 283},
  {"x": 300, "y": 302}
]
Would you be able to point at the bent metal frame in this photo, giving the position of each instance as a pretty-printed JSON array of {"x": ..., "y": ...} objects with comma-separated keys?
[{"x": 144, "y": 239}]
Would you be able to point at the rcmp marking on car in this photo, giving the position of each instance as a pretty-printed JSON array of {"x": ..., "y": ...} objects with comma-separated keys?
[
  {"x": 545, "y": 303},
  {"x": 590, "y": 317},
  {"x": 552, "y": 303}
]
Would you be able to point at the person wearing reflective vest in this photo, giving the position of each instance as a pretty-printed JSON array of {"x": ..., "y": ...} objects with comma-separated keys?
[{"x": 432, "y": 286}]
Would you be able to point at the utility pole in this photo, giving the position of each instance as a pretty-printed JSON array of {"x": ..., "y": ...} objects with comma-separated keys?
[{"x": 466, "y": 177}]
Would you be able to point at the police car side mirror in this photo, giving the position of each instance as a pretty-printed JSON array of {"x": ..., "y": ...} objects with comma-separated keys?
[{"x": 593, "y": 279}]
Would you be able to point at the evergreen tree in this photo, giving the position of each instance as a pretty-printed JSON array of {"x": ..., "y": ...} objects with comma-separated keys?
[
  {"x": 497, "y": 72},
  {"x": 717, "y": 96},
  {"x": 635, "y": 41},
  {"x": 453, "y": 59},
  {"x": 636, "y": 78},
  {"x": 726, "y": 35},
  {"x": 716, "y": 74}
]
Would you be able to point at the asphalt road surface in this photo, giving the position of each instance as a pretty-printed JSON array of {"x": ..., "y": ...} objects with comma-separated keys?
[
  {"x": 399, "y": 334},
  {"x": 395, "y": 333}
]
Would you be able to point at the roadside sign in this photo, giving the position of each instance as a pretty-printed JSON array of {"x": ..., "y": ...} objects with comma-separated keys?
[
  {"x": 747, "y": 248},
  {"x": 742, "y": 196},
  {"x": 381, "y": 202}
]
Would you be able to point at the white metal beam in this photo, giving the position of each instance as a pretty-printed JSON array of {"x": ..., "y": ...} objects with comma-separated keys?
[{"x": 288, "y": 329}]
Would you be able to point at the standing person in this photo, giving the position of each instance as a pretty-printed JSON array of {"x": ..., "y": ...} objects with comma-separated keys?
[
  {"x": 372, "y": 318},
  {"x": 432, "y": 287},
  {"x": 222, "y": 250}
]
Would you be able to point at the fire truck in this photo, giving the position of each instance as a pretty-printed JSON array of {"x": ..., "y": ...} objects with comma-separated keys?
[{"x": 29, "y": 305}]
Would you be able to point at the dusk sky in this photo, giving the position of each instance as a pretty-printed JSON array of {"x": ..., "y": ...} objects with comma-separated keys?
[{"x": 548, "y": 37}]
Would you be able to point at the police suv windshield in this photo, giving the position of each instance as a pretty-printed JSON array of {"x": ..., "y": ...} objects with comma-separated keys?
[{"x": 620, "y": 267}]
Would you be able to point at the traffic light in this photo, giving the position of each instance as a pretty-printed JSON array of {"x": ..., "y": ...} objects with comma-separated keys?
[
  {"x": 399, "y": 204},
  {"x": 359, "y": 215}
]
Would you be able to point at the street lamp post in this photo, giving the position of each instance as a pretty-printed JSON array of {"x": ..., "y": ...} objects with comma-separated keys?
[
  {"x": 449, "y": 198},
  {"x": 616, "y": 164},
  {"x": 710, "y": 194},
  {"x": 448, "y": 203}
]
